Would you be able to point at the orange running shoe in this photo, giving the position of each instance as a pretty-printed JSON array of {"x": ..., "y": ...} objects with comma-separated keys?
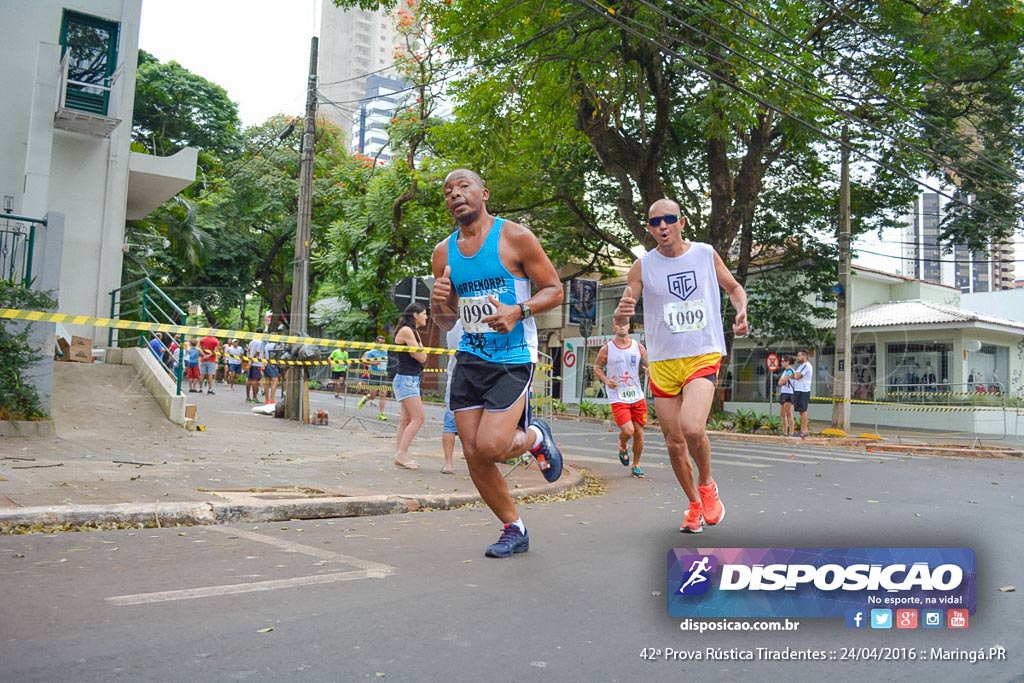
[
  {"x": 714, "y": 511},
  {"x": 693, "y": 522}
]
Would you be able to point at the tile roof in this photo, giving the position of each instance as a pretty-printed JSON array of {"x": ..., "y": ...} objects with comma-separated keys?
[{"x": 918, "y": 312}]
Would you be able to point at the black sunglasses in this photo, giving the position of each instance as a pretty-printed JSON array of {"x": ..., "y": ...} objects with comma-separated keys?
[{"x": 655, "y": 221}]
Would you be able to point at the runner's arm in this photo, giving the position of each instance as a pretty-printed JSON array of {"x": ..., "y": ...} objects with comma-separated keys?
[
  {"x": 444, "y": 302},
  {"x": 599, "y": 364},
  {"x": 630, "y": 295},
  {"x": 737, "y": 295}
]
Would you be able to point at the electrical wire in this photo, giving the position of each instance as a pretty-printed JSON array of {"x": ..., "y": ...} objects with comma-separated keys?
[
  {"x": 611, "y": 16},
  {"x": 1002, "y": 170},
  {"x": 820, "y": 98}
]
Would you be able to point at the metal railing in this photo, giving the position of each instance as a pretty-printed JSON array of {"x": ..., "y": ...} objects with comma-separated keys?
[
  {"x": 143, "y": 300},
  {"x": 17, "y": 242}
]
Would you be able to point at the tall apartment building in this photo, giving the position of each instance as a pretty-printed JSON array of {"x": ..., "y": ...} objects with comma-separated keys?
[
  {"x": 353, "y": 45},
  {"x": 384, "y": 97},
  {"x": 969, "y": 271}
]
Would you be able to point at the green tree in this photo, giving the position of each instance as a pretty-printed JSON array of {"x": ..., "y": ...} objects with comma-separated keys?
[{"x": 175, "y": 108}]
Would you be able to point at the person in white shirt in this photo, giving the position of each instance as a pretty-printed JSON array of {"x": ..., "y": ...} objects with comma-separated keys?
[
  {"x": 681, "y": 282},
  {"x": 252, "y": 384},
  {"x": 803, "y": 375},
  {"x": 618, "y": 365}
]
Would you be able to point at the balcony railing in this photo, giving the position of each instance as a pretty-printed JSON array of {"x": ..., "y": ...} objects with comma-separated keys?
[
  {"x": 17, "y": 240},
  {"x": 84, "y": 107}
]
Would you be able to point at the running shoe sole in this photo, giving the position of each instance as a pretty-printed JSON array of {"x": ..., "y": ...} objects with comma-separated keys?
[
  {"x": 624, "y": 458},
  {"x": 550, "y": 451}
]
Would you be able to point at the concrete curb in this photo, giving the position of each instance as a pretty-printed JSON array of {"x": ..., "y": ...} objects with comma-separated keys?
[{"x": 216, "y": 512}]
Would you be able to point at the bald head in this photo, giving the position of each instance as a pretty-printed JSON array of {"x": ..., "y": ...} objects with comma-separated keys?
[
  {"x": 463, "y": 173},
  {"x": 664, "y": 207}
]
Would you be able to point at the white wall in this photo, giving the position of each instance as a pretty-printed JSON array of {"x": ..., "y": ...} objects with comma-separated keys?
[{"x": 86, "y": 178}]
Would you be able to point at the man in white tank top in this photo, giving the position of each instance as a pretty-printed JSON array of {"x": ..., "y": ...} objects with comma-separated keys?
[
  {"x": 618, "y": 365},
  {"x": 680, "y": 282}
]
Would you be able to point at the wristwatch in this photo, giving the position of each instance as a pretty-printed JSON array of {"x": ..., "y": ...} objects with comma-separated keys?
[{"x": 524, "y": 312}]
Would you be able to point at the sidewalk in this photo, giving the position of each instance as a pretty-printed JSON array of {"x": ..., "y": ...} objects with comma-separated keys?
[{"x": 116, "y": 460}]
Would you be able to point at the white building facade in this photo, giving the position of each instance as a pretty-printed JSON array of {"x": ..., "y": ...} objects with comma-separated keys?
[{"x": 67, "y": 71}]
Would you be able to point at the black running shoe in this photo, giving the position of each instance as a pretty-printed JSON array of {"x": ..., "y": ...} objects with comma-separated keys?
[
  {"x": 548, "y": 451},
  {"x": 511, "y": 541}
]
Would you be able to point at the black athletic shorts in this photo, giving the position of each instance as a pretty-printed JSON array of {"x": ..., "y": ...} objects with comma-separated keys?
[
  {"x": 477, "y": 383},
  {"x": 801, "y": 399},
  {"x": 786, "y": 398}
]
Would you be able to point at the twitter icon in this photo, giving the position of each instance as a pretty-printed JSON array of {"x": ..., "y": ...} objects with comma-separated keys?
[{"x": 881, "y": 618}]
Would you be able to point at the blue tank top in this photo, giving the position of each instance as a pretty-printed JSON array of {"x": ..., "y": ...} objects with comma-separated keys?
[{"x": 476, "y": 277}]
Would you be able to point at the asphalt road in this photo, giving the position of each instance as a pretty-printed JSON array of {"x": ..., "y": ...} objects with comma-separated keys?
[{"x": 411, "y": 597}]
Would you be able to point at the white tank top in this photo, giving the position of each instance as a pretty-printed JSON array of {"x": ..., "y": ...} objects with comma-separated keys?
[
  {"x": 623, "y": 366},
  {"x": 682, "y": 304}
]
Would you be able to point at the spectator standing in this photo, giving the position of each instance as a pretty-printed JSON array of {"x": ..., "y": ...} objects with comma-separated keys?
[
  {"x": 406, "y": 384},
  {"x": 192, "y": 367},
  {"x": 252, "y": 385},
  {"x": 803, "y": 375},
  {"x": 786, "y": 396},
  {"x": 233, "y": 352},
  {"x": 271, "y": 372},
  {"x": 208, "y": 346}
]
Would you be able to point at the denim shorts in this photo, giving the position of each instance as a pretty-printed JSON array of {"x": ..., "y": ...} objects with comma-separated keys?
[
  {"x": 405, "y": 386},
  {"x": 208, "y": 368},
  {"x": 449, "y": 423}
]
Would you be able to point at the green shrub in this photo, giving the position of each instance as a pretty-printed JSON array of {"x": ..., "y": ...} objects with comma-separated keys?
[{"x": 18, "y": 400}]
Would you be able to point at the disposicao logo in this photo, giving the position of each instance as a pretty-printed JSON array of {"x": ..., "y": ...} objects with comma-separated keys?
[
  {"x": 822, "y": 582},
  {"x": 697, "y": 579}
]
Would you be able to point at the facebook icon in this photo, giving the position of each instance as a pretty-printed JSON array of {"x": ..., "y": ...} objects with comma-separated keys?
[{"x": 856, "y": 619}]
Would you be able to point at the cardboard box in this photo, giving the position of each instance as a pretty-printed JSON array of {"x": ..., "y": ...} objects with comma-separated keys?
[
  {"x": 81, "y": 350},
  {"x": 63, "y": 349},
  {"x": 190, "y": 411}
]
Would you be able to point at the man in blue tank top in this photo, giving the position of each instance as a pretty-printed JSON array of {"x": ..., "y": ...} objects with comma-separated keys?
[{"x": 484, "y": 272}]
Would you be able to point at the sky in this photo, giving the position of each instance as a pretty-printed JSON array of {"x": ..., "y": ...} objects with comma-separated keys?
[{"x": 257, "y": 50}]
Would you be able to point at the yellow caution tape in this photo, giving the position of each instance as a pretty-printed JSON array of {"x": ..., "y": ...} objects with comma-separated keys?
[
  {"x": 121, "y": 324},
  {"x": 909, "y": 407}
]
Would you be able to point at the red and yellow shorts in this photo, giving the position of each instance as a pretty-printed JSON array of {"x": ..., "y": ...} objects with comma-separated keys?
[
  {"x": 668, "y": 377},
  {"x": 625, "y": 413}
]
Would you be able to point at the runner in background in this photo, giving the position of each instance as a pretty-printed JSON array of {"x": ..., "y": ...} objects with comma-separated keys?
[
  {"x": 449, "y": 430},
  {"x": 619, "y": 365},
  {"x": 339, "y": 366},
  {"x": 376, "y": 376}
]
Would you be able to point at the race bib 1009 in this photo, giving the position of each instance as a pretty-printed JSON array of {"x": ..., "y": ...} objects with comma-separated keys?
[{"x": 685, "y": 316}]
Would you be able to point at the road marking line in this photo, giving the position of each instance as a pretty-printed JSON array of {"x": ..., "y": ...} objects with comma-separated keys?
[
  {"x": 236, "y": 588},
  {"x": 305, "y": 549},
  {"x": 367, "y": 570},
  {"x": 571, "y": 456}
]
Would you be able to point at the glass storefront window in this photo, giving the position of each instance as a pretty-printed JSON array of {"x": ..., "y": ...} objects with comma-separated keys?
[
  {"x": 917, "y": 367},
  {"x": 988, "y": 369}
]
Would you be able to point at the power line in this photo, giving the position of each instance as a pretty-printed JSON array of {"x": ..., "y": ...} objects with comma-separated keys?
[
  {"x": 1002, "y": 170},
  {"x": 611, "y": 16},
  {"x": 916, "y": 259},
  {"x": 823, "y": 100}
]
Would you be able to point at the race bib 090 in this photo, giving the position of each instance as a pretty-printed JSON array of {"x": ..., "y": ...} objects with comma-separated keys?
[{"x": 472, "y": 310}]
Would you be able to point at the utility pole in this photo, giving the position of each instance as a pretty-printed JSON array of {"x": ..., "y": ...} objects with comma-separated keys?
[
  {"x": 842, "y": 370},
  {"x": 296, "y": 392}
]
